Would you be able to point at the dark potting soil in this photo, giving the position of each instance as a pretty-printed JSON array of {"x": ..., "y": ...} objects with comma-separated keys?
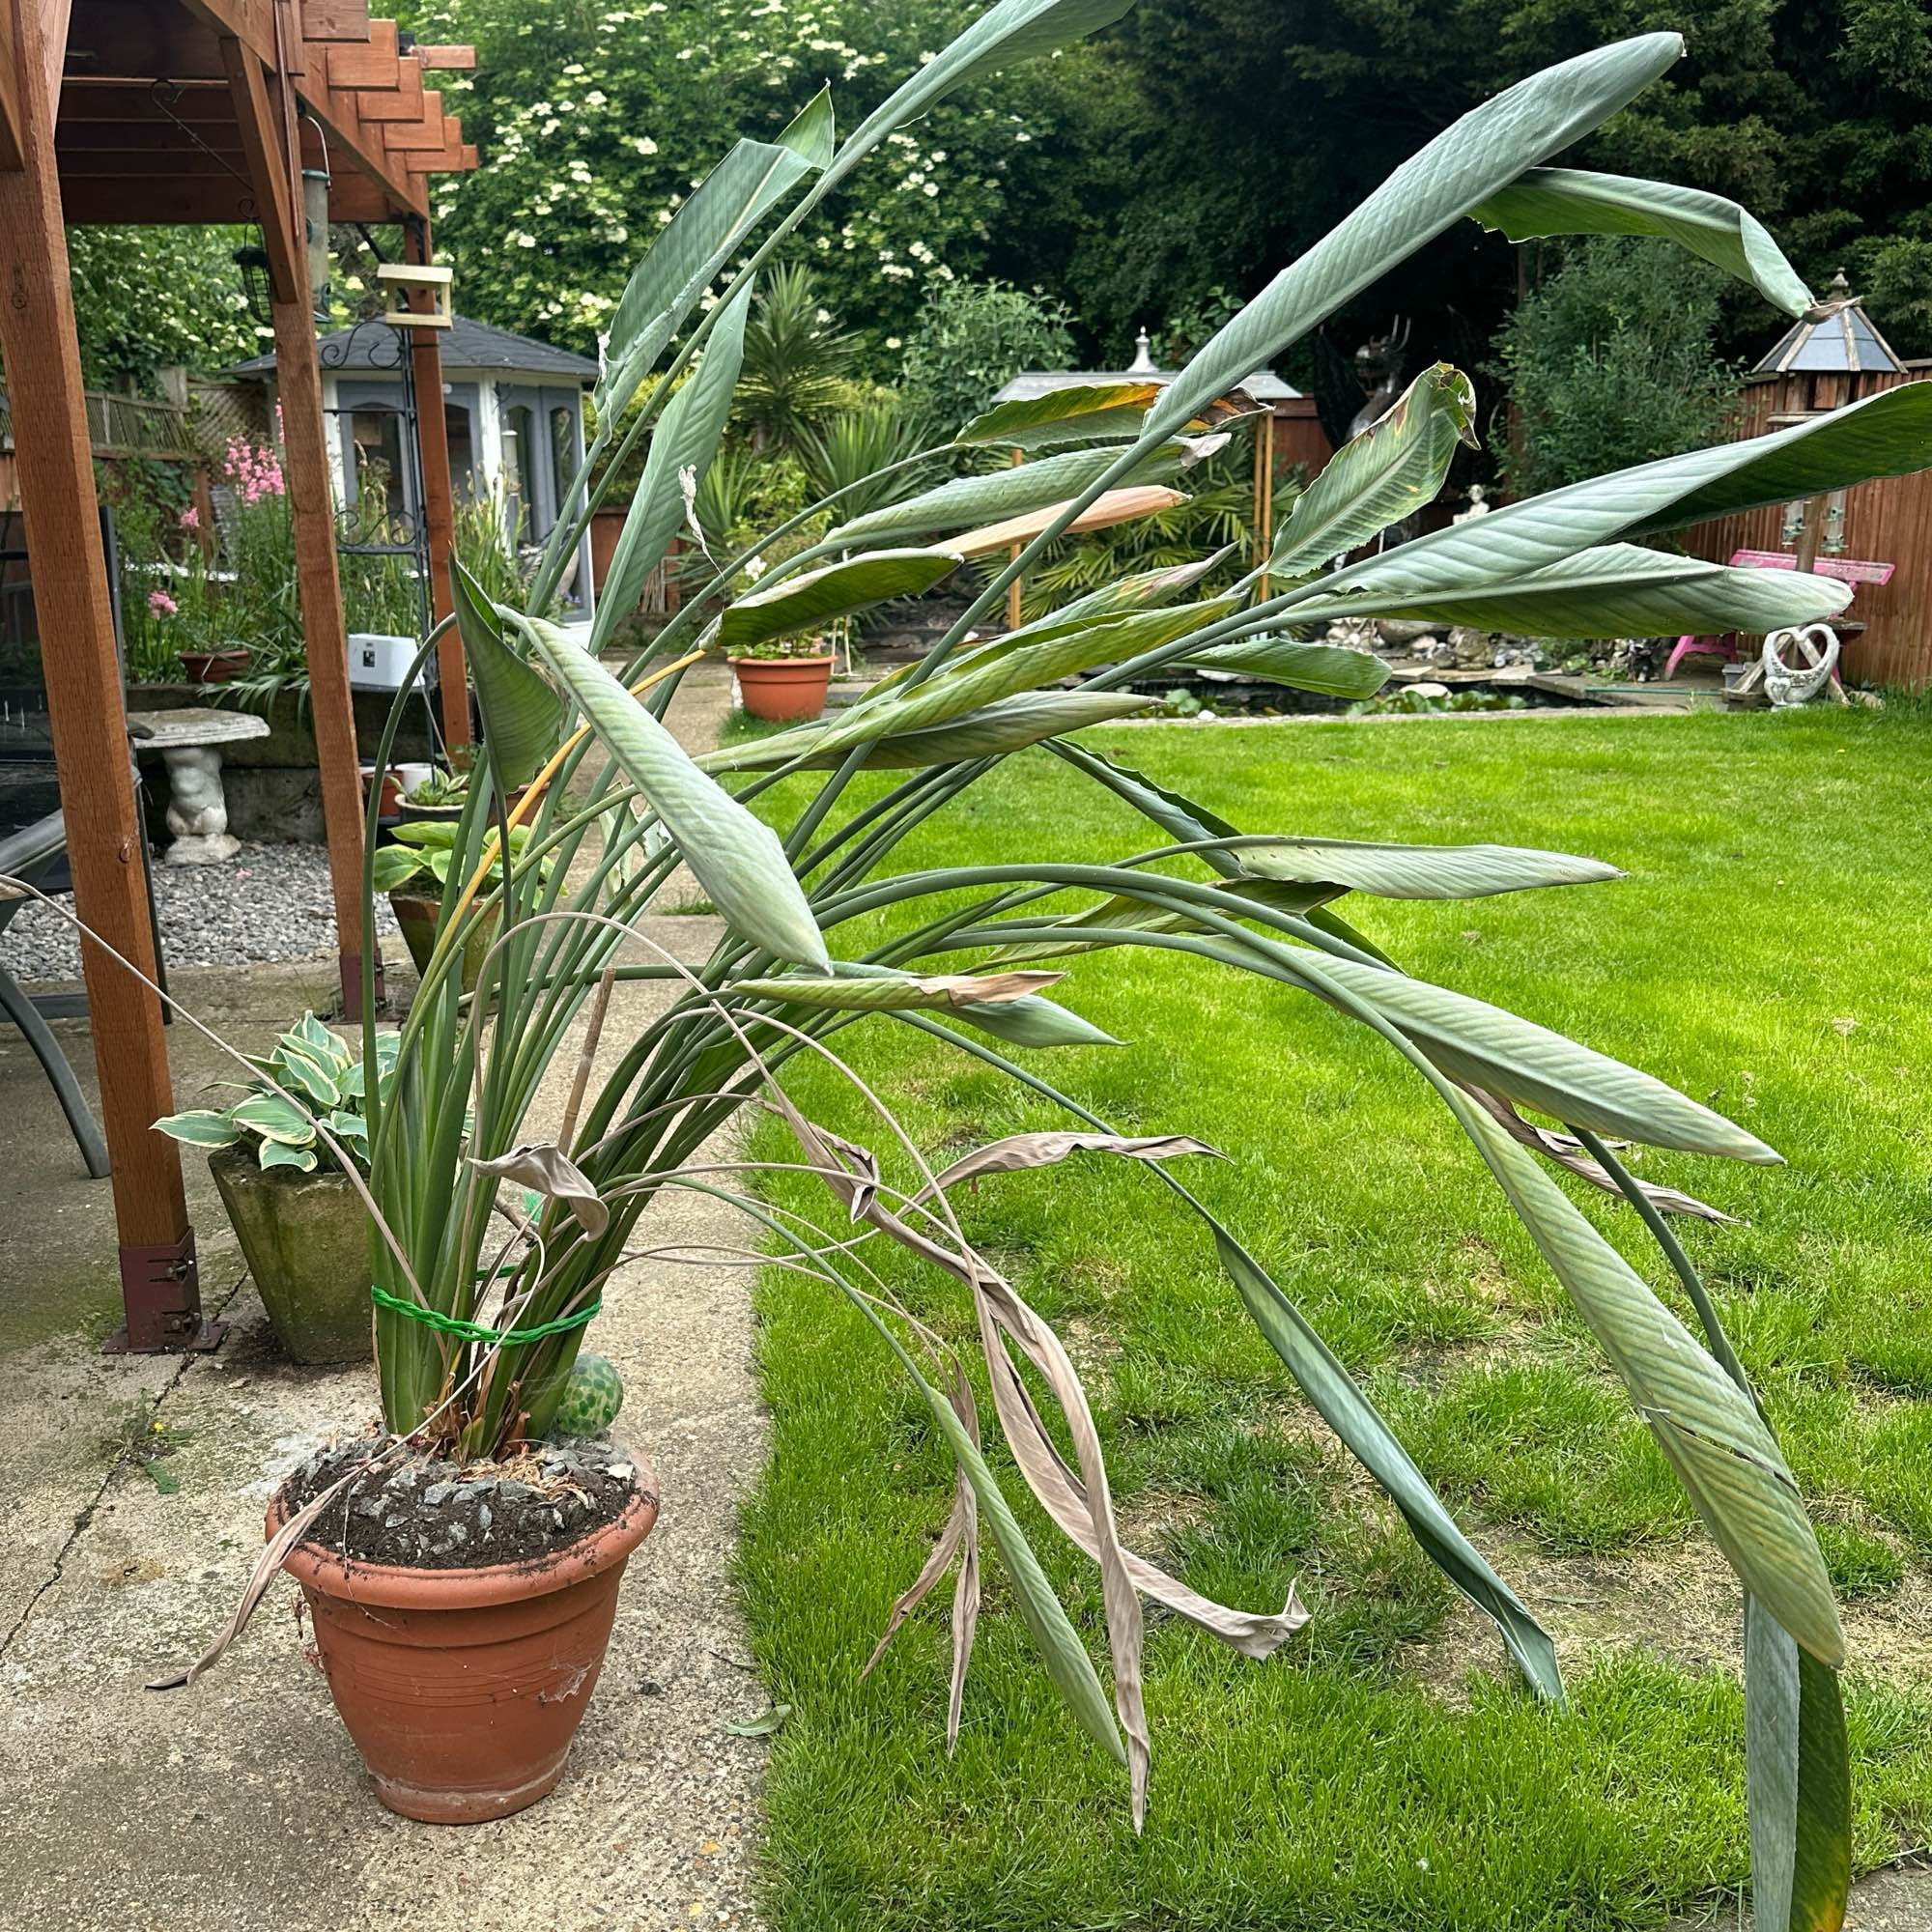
[{"x": 424, "y": 1514}]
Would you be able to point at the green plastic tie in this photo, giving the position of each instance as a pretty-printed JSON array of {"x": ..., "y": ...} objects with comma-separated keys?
[{"x": 475, "y": 1332}]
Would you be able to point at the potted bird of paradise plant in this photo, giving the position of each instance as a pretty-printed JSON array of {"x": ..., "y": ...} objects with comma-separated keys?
[{"x": 462, "y": 1563}]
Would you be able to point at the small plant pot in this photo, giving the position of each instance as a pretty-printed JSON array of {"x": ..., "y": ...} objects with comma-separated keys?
[
  {"x": 392, "y": 791},
  {"x": 462, "y": 1688},
  {"x": 215, "y": 666},
  {"x": 416, "y": 915},
  {"x": 305, "y": 1237},
  {"x": 782, "y": 689},
  {"x": 427, "y": 814}
]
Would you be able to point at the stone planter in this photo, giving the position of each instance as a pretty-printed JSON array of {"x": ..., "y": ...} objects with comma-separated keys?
[{"x": 305, "y": 1237}]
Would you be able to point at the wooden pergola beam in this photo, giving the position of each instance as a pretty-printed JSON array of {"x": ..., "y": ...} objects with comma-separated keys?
[
  {"x": 278, "y": 211},
  {"x": 105, "y": 839}
]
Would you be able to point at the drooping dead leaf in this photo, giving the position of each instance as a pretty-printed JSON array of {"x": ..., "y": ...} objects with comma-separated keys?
[{"x": 552, "y": 1174}]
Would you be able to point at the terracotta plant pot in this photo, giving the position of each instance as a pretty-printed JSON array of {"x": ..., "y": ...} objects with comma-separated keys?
[
  {"x": 305, "y": 1237},
  {"x": 780, "y": 689},
  {"x": 416, "y": 915},
  {"x": 392, "y": 790},
  {"x": 215, "y": 666},
  {"x": 464, "y": 1687}
]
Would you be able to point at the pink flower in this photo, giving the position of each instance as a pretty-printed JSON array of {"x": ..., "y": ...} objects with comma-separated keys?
[
  {"x": 191, "y": 519},
  {"x": 162, "y": 604}
]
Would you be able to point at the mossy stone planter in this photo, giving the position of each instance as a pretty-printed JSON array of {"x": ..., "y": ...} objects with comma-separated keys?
[{"x": 305, "y": 1237}]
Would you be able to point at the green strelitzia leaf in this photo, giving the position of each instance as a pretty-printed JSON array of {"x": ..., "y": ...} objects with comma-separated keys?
[
  {"x": 1394, "y": 468},
  {"x": 1707, "y": 1427},
  {"x": 1568, "y": 201},
  {"x": 200, "y": 1127},
  {"x": 1142, "y": 589},
  {"x": 1616, "y": 590},
  {"x": 968, "y": 502},
  {"x": 1008, "y": 726},
  {"x": 1800, "y": 1780},
  {"x": 700, "y": 238},
  {"x": 1324, "y": 667},
  {"x": 1885, "y": 435},
  {"x": 1007, "y": 668},
  {"x": 1486, "y": 1046},
  {"x": 804, "y": 602},
  {"x": 685, "y": 439},
  {"x": 1182, "y": 819},
  {"x": 274, "y": 1118},
  {"x": 1078, "y": 413},
  {"x": 735, "y": 857},
  {"x": 1355, "y": 1419},
  {"x": 1420, "y": 871},
  {"x": 1123, "y": 915},
  {"x": 523, "y": 719},
  {"x": 1475, "y": 159}
]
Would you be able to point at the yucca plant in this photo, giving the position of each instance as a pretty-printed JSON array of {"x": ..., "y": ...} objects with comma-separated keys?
[{"x": 615, "y": 808}]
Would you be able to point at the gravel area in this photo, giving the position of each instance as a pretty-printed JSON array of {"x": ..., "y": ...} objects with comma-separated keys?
[{"x": 268, "y": 902}]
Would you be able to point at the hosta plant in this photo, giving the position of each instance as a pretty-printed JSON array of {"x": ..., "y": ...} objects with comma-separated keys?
[
  {"x": 614, "y": 809},
  {"x": 313, "y": 1076}
]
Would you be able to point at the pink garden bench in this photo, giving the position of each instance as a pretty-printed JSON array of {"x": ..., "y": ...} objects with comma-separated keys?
[{"x": 1847, "y": 569}]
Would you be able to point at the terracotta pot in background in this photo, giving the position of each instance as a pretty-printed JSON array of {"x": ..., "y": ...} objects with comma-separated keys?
[
  {"x": 392, "y": 790},
  {"x": 215, "y": 666},
  {"x": 780, "y": 690},
  {"x": 462, "y": 1688}
]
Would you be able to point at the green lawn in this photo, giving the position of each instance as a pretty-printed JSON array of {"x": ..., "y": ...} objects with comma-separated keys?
[{"x": 1768, "y": 953}]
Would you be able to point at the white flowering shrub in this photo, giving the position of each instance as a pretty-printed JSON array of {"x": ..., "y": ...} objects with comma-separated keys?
[{"x": 595, "y": 120}]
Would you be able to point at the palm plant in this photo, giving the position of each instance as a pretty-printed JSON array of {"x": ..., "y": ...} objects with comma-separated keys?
[
  {"x": 613, "y": 807},
  {"x": 1218, "y": 515},
  {"x": 796, "y": 360},
  {"x": 858, "y": 455}
]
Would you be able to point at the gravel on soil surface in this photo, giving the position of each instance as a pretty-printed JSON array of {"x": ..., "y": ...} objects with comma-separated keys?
[
  {"x": 431, "y": 1515},
  {"x": 268, "y": 902}
]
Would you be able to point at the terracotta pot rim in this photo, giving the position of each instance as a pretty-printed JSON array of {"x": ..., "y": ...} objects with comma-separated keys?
[
  {"x": 780, "y": 664},
  {"x": 392, "y": 1586}
]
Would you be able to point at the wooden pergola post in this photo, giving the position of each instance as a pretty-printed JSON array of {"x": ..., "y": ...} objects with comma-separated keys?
[
  {"x": 182, "y": 112},
  {"x": 86, "y": 710},
  {"x": 271, "y": 143},
  {"x": 438, "y": 510}
]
